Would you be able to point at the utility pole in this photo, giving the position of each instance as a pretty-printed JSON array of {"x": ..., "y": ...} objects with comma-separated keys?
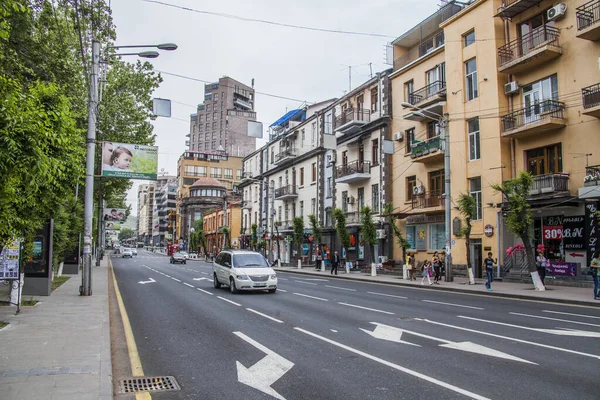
[
  {"x": 349, "y": 78},
  {"x": 444, "y": 131},
  {"x": 272, "y": 197},
  {"x": 86, "y": 276}
]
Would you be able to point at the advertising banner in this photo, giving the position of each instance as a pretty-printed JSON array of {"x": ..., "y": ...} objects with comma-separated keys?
[
  {"x": 131, "y": 161},
  {"x": 9, "y": 261},
  {"x": 114, "y": 214},
  {"x": 562, "y": 269},
  {"x": 113, "y": 225},
  {"x": 573, "y": 232},
  {"x": 592, "y": 233}
]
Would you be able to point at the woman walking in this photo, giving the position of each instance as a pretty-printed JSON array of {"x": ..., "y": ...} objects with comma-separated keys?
[
  {"x": 426, "y": 270},
  {"x": 595, "y": 270},
  {"x": 437, "y": 268}
]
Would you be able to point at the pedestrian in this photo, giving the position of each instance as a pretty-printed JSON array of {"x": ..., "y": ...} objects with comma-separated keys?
[
  {"x": 488, "y": 264},
  {"x": 437, "y": 265},
  {"x": 335, "y": 262},
  {"x": 318, "y": 260},
  {"x": 540, "y": 264},
  {"x": 595, "y": 270},
  {"x": 411, "y": 268},
  {"x": 426, "y": 270}
]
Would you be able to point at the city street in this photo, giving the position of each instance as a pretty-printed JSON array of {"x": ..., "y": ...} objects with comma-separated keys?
[{"x": 324, "y": 338}]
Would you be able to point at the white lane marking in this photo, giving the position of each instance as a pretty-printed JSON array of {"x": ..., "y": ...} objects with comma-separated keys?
[
  {"x": 265, "y": 315},
  {"x": 566, "y": 313},
  {"x": 366, "y": 308},
  {"x": 205, "y": 273},
  {"x": 204, "y": 291},
  {"x": 307, "y": 283},
  {"x": 388, "y": 295},
  {"x": 176, "y": 280},
  {"x": 340, "y": 288},
  {"x": 452, "y": 304},
  {"x": 333, "y": 330},
  {"x": 310, "y": 297},
  {"x": 229, "y": 301},
  {"x": 168, "y": 276},
  {"x": 150, "y": 281},
  {"x": 314, "y": 279},
  {"x": 508, "y": 338},
  {"x": 283, "y": 279},
  {"x": 281, "y": 290},
  {"x": 555, "y": 319},
  {"x": 187, "y": 284},
  {"x": 559, "y": 332},
  {"x": 265, "y": 372},
  {"x": 396, "y": 366}
]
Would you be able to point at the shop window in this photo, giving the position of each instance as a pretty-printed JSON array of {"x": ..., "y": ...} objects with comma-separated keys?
[{"x": 437, "y": 237}]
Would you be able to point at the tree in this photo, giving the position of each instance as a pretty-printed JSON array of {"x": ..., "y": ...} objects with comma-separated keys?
[
  {"x": 467, "y": 207},
  {"x": 518, "y": 217},
  {"x": 341, "y": 228},
  {"x": 369, "y": 232},
  {"x": 317, "y": 231},
  {"x": 125, "y": 234},
  {"x": 298, "y": 224},
  {"x": 199, "y": 235},
  {"x": 254, "y": 239},
  {"x": 392, "y": 220},
  {"x": 226, "y": 237}
]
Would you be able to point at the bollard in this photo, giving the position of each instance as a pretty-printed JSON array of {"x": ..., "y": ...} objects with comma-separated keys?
[
  {"x": 278, "y": 263},
  {"x": 405, "y": 272},
  {"x": 373, "y": 269},
  {"x": 323, "y": 266},
  {"x": 347, "y": 268},
  {"x": 299, "y": 264}
]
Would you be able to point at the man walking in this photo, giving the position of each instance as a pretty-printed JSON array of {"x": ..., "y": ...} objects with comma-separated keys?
[
  {"x": 489, "y": 270},
  {"x": 335, "y": 262}
]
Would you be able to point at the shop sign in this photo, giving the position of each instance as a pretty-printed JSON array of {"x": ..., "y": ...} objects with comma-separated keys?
[
  {"x": 421, "y": 237},
  {"x": 305, "y": 249},
  {"x": 573, "y": 233},
  {"x": 562, "y": 269},
  {"x": 552, "y": 229},
  {"x": 421, "y": 219},
  {"x": 361, "y": 247},
  {"x": 592, "y": 233},
  {"x": 488, "y": 230}
]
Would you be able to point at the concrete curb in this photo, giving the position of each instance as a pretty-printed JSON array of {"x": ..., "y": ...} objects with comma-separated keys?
[{"x": 450, "y": 289}]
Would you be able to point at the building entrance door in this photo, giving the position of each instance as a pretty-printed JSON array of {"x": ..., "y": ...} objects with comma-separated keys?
[{"x": 476, "y": 258}]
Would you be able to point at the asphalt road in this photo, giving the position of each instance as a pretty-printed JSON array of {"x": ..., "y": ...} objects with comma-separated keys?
[{"x": 320, "y": 338}]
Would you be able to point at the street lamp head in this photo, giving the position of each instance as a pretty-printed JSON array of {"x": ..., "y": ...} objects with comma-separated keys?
[
  {"x": 405, "y": 104},
  {"x": 167, "y": 46},
  {"x": 148, "y": 54}
]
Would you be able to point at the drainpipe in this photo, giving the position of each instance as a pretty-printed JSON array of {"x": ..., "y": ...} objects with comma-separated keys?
[{"x": 381, "y": 156}]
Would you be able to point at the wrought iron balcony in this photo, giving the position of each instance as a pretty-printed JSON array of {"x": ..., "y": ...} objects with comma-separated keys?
[
  {"x": 588, "y": 20},
  {"x": 539, "y": 117},
  {"x": 550, "y": 184},
  {"x": 351, "y": 120},
  {"x": 353, "y": 171},
  {"x": 353, "y": 218},
  {"x": 530, "y": 51},
  {"x": 286, "y": 155},
  {"x": 428, "y": 150},
  {"x": 286, "y": 225},
  {"x": 286, "y": 192},
  {"x": 435, "y": 91},
  {"x": 591, "y": 100},
  {"x": 427, "y": 200},
  {"x": 511, "y": 8}
]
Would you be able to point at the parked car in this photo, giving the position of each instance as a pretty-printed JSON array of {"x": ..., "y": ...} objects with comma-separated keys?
[
  {"x": 134, "y": 251},
  {"x": 126, "y": 253},
  {"x": 185, "y": 254},
  {"x": 243, "y": 270},
  {"x": 178, "y": 258}
]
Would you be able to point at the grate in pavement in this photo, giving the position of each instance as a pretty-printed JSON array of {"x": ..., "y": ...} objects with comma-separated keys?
[{"x": 148, "y": 384}]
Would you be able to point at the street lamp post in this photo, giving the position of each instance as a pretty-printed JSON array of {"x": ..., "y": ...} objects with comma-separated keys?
[{"x": 443, "y": 123}]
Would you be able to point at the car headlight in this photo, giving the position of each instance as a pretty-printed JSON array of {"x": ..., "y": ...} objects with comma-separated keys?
[
  {"x": 273, "y": 276},
  {"x": 242, "y": 277}
]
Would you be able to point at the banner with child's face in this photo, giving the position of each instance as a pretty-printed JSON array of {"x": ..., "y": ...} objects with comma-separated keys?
[
  {"x": 131, "y": 161},
  {"x": 114, "y": 214}
]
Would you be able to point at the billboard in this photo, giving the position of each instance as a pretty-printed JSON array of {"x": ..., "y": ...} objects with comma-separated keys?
[
  {"x": 131, "y": 161},
  {"x": 9, "y": 261},
  {"x": 113, "y": 225},
  {"x": 114, "y": 214}
]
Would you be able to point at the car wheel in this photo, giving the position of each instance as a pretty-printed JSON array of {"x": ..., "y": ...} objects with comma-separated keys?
[
  {"x": 272, "y": 290},
  {"x": 232, "y": 287},
  {"x": 216, "y": 282},
  {"x": 184, "y": 262}
]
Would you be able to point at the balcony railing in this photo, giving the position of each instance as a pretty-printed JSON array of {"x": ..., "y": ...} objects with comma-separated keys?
[
  {"x": 352, "y": 218},
  {"x": 285, "y": 225},
  {"x": 287, "y": 153},
  {"x": 532, "y": 114},
  {"x": 521, "y": 47},
  {"x": 592, "y": 175},
  {"x": 289, "y": 190},
  {"x": 591, "y": 96},
  {"x": 350, "y": 115},
  {"x": 429, "y": 45},
  {"x": 427, "y": 92},
  {"x": 588, "y": 14},
  {"x": 550, "y": 183},
  {"x": 419, "y": 149},
  {"x": 427, "y": 200},
  {"x": 511, "y": 8},
  {"x": 354, "y": 167}
]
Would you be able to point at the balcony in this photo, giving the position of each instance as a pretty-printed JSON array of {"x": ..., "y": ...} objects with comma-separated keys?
[
  {"x": 421, "y": 51},
  {"x": 550, "y": 184},
  {"x": 353, "y": 172},
  {"x": 588, "y": 21},
  {"x": 283, "y": 226},
  {"x": 351, "y": 121},
  {"x": 510, "y": 8},
  {"x": 243, "y": 104},
  {"x": 352, "y": 218},
  {"x": 187, "y": 143},
  {"x": 591, "y": 183},
  {"x": 427, "y": 151},
  {"x": 540, "y": 117},
  {"x": 591, "y": 100},
  {"x": 530, "y": 51},
  {"x": 428, "y": 200},
  {"x": 247, "y": 205},
  {"x": 286, "y": 192},
  {"x": 430, "y": 94},
  {"x": 286, "y": 155}
]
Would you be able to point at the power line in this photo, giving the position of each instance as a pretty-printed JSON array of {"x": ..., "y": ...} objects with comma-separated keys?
[{"x": 262, "y": 21}]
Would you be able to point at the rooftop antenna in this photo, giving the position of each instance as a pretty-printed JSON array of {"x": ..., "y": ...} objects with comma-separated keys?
[
  {"x": 252, "y": 83},
  {"x": 586, "y": 155}
]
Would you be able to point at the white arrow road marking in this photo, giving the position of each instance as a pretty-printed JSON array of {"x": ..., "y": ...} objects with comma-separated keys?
[
  {"x": 144, "y": 282},
  {"x": 264, "y": 373},
  {"x": 203, "y": 279},
  {"x": 566, "y": 313},
  {"x": 555, "y": 319},
  {"x": 396, "y": 366},
  {"x": 486, "y": 351},
  {"x": 551, "y": 331},
  {"x": 389, "y": 333},
  {"x": 452, "y": 304},
  {"x": 508, "y": 338}
]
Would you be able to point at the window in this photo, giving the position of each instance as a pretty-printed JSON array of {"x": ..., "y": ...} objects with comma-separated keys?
[
  {"x": 302, "y": 208},
  {"x": 409, "y": 88},
  {"x": 313, "y": 206},
  {"x": 207, "y": 109},
  {"x": 471, "y": 79},
  {"x": 329, "y": 187},
  {"x": 214, "y": 135},
  {"x": 206, "y": 145},
  {"x": 475, "y": 191},
  {"x": 238, "y": 174},
  {"x": 279, "y": 214},
  {"x": 375, "y": 152},
  {"x": 374, "y": 99},
  {"x": 216, "y": 97},
  {"x": 272, "y": 155},
  {"x": 314, "y": 172},
  {"x": 313, "y": 137},
  {"x": 409, "y": 137},
  {"x": 201, "y": 171},
  {"x": 280, "y": 181},
  {"x": 302, "y": 176},
  {"x": 474, "y": 145},
  {"x": 328, "y": 123},
  {"x": 286, "y": 212},
  {"x": 228, "y": 173},
  {"x": 328, "y": 220},
  {"x": 215, "y": 172},
  {"x": 214, "y": 145},
  {"x": 437, "y": 237},
  {"x": 345, "y": 201},
  {"x": 375, "y": 198},
  {"x": 207, "y": 125},
  {"x": 433, "y": 129},
  {"x": 411, "y": 182},
  {"x": 193, "y": 128},
  {"x": 436, "y": 182},
  {"x": 215, "y": 116},
  {"x": 410, "y": 236},
  {"x": 361, "y": 198},
  {"x": 303, "y": 138},
  {"x": 201, "y": 118},
  {"x": 469, "y": 38},
  {"x": 544, "y": 160},
  {"x": 345, "y": 157}
]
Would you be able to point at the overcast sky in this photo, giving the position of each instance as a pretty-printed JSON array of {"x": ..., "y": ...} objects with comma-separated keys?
[{"x": 294, "y": 63}]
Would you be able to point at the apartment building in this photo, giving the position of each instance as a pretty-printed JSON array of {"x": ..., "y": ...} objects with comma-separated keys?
[
  {"x": 532, "y": 106},
  {"x": 221, "y": 121},
  {"x": 214, "y": 221},
  {"x": 165, "y": 202},
  {"x": 254, "y": 198},
  {"x": 145, "y": 213}
]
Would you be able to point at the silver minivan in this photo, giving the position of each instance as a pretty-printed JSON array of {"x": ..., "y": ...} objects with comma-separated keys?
[{"x": 243, "y": 270}]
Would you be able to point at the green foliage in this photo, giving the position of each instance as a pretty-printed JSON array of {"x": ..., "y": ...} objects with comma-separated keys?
[
  {"x": 68, "y": 223},
  {"x": 317, "y": 231},
  {"x": 199, "y": 235},
  {"x": 340, "y": 227},
  {"x": 368, "y": 229},
  {"x": 467, "y": 207},
  {"x": 392, "y": 220},
  {"x": 227, "y": 233},
  {"x": 298, "y": 224},
  {"x": 125, "y": 234}
]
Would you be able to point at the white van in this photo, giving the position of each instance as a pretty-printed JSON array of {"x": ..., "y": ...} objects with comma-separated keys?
[{"x": 243, "y": 270}]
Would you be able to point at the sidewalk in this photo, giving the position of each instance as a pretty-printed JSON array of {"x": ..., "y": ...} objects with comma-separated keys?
[
  {"x": 59, "y": 349},
  {"x": 557, "y": 294}
]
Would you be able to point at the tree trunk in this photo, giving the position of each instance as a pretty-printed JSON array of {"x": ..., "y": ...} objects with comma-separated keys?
[
  {"x": 469, "y": 268},
  {"x": 530, "y": 255}
]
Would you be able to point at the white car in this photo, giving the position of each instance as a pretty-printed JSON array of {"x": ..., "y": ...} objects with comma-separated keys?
[
  {"x": 126, "y": 253},
  {"x": 185, "y": 254},
  {"x": 243, "y": 270}
]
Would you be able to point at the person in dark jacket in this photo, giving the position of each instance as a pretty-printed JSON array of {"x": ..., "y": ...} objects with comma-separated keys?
[{"x": 335, "y": 262}]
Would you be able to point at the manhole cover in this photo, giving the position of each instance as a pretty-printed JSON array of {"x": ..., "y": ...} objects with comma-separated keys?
[{"x": 148, "y": 384}]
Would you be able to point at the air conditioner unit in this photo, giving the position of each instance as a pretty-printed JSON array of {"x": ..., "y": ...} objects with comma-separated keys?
[
  {"x": 380, "y": 233},
  {"x": 398, "y": 136},
  {"x": 511, "y": 87},
  {"x": 331, "y": 158},
  {"x": 350, "y": 200},
  {"x": 557, "y": 12},
  {"x": 418, "y": 189}
]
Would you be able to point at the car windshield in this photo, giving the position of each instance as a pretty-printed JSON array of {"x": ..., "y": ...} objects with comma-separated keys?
[
  {"x": 249, "y": 261},
  {"x": 183, "y": 253},
  {"x": 179, "y": 254}
]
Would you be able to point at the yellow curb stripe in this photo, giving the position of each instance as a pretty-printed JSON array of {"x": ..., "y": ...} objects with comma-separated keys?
[{"x": 134, "y": 357}]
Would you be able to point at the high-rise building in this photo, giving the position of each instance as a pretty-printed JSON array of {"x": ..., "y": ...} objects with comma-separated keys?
[
  {"x": 145, "y": 210},
  {"x": 165, "y": 200},
  {"x": 221, "y": 121}
]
